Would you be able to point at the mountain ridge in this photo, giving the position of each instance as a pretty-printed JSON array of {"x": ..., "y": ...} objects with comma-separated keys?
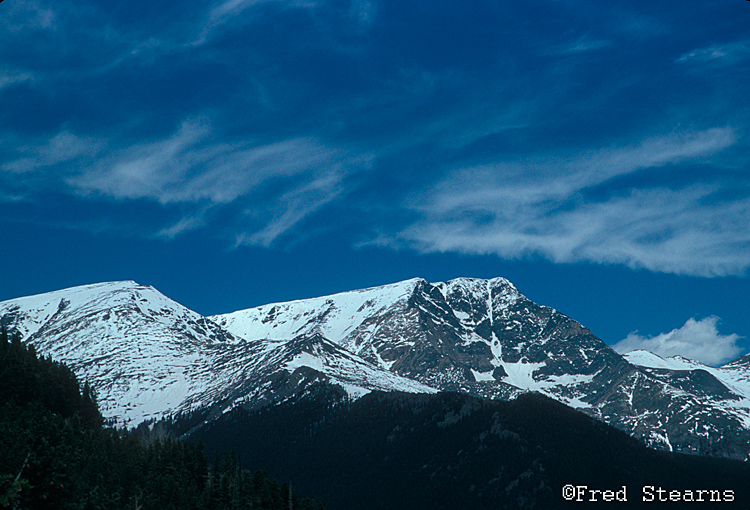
[{"x": 150, "y": 357}]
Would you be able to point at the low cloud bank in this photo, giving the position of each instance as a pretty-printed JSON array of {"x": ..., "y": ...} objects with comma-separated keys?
[{"x": 698, "y": 340}]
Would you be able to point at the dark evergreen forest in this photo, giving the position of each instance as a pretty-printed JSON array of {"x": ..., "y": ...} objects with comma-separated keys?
[
  {"x": 402, "y": 451},
  {"x": 56, "y": 454}
]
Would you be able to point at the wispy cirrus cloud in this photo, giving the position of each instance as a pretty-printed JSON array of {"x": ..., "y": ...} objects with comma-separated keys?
[
  {"x": 698, "y": 340},
  {"x": 234, "y": 7},
  {"x": 573, "y": 209},
  {"x": 718, "y": 54},
  {"x": 10, "y": 77},
  {"x": 226, "y": 11},
  {"x": 188, "y": 167},
  {"x": 64, "y": 146},
  {"x": 299, "y": 202},
  {"x": 582, "y": 44},
  {"x": 275, "y": 186},
  {"x": 490, "y": 101},
  {"x": 33, "y": 14}
]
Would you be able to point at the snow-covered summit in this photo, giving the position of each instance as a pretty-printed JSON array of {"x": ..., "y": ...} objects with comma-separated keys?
[
  {"x": 648, "y": 359},
  {"x": 466, "y": 334},
  {"x": 142, "y": 351},
  {"x": 339, "y": 315},
  {"x": 334, "y": 316},
  {"x": 38, "y": 309}
]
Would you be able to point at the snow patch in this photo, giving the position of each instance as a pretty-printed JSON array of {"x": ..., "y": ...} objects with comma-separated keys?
[
  {"x": 520, "y": 374},
  {"x": 483, "y": 376}
]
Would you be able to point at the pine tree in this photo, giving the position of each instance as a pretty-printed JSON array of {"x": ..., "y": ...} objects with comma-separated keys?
[{"x": 90, "y": 415}]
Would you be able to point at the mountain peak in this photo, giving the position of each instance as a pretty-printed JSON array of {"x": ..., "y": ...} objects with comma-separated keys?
[{"x": 129, "y": 340}]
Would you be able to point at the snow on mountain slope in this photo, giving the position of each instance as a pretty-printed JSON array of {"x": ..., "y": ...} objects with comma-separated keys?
[
  {"x": 648, "y": 359},
  {"x": 332, "y": 316},
  {"x": 710, "y": 398},
  {"x": 467, "y": 334},
  {"x": 148, "y": 356},
  {"x": 142, "y": 351},
  {"x": 259, "y": 372},
  {"x": 735, "y": 376}
]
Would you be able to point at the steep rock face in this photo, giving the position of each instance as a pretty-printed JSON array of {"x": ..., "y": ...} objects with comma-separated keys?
[
  {"x": 479, "y": 336},
  {"x": 483, "y": 337}
]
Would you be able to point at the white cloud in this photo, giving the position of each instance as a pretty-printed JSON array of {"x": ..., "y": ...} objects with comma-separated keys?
[
  {"x": 583, "y": 44},
  {"x": 157, "y": 170},
  {"x": 227, "y": 10},
  {"x": 187, "y": 167},
  {"x": 188, "y": 223},
  {"x": 728, "y": 53},
  {"x": 62, "y": 147},
  {"x": 697, "y": 340},
  {"x": 9, "y": 77},
  {"x": 299, "y": 203},
  {"x": 363, "y": 11},
  {"x": 29, "y": 14},
  {"x": 278, "y": 185},
  {"x": 537, "y": 206}
]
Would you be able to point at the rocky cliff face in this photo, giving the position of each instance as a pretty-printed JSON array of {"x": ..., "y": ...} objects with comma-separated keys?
[
  {"x": 478, "y": 336},
  {"x": 483, "y": 337}
]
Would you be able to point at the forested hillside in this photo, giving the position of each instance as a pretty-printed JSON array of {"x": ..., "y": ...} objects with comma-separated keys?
[
  {"x": 402, "y": 451},
  {"x": 56, "y": 454}
]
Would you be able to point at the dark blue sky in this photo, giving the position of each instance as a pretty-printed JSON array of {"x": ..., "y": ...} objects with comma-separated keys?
[{"x": 238, "y": 152}]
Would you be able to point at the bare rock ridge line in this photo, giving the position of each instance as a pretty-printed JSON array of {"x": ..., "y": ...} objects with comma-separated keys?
[{"x": 150, "y": 357}]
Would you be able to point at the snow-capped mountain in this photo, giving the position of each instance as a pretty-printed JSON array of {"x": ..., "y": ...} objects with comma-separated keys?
[
  {"x": 734, "y": 376},
  {"x": 485, "y": 338},
  {"x": 478, "y": 336},
  {"x": 142, "y": 352},
  {"x": 149, "y": 356}
]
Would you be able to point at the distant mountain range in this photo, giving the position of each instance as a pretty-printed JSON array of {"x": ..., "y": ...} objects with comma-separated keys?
[{"x": 150, "y": 357}]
